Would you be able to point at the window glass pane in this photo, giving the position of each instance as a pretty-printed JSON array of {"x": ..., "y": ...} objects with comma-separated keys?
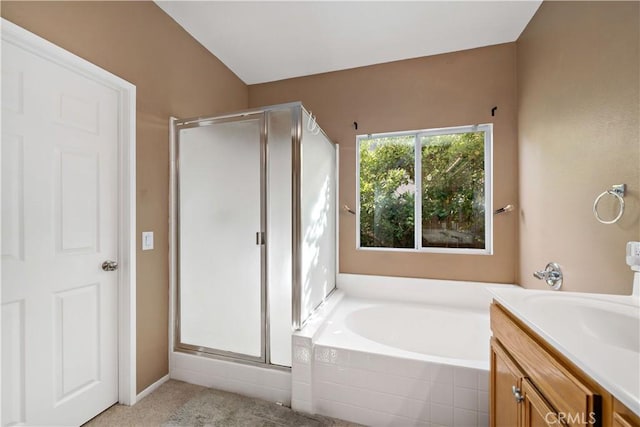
[
  {"x": 453, "y": 199},
  {"x": 387, "y": 188}
]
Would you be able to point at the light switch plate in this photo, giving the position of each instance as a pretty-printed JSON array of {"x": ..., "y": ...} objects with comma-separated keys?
[{"x": 147, "y": 240}]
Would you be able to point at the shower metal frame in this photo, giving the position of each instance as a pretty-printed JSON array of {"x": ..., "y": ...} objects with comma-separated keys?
[
  {"x": 297, "y": 110},
  {"x": 180, "y": 125}
]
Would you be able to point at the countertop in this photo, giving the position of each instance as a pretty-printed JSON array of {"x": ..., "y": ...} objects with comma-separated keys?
[{"x": 591, "y": 330}]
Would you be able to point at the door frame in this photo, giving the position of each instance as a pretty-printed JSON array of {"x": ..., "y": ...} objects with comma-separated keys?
[{"x": 23, "y": 39}]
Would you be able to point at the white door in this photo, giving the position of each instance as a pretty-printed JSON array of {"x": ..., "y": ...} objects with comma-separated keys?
[{"x": 59, "y": 224}]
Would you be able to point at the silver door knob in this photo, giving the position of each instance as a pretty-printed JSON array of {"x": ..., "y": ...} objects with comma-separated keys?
[{"x": 109, "y": 265}]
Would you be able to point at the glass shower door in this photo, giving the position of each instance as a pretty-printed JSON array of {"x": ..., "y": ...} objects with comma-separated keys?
[{"x": 221, "y": 277}]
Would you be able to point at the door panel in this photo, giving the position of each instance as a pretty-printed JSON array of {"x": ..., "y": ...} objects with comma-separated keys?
[
  {"x": 537, "y": 412},
  {"x": 221, "y": 301},
  {"x": 76, "y": 328},
  {"x": 12, "y": 197},
  {"x": 504, "y": 376},
  {"x": 60, "y": 206},
  {"x": 76, "y": 194},
  {"x": 13, "y": 387}
]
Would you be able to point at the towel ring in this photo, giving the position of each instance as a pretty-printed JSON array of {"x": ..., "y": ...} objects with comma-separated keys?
[{"x": 618, "y": 192}]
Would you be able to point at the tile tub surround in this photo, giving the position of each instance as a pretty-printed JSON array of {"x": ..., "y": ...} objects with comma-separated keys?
[
  {"x": 381, "y": 390},
  {"x": 339, "y": 373},
  {"x": 302, "y": 358}
]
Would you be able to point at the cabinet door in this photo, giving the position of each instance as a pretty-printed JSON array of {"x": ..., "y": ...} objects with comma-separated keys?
[
  {"x": 623, "y": 416},
  {"x": 536, "y": 412},
  {"x": 505, "y": 375},
  {"x": 622, "y": 420}
]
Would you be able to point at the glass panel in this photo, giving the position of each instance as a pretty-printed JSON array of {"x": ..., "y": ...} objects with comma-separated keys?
[
  {"x": 279, "y": 235},
  {"x": 318, "y": 217},
  {"x": 220, "y": 213},
  {"x": 453, "y": 199},
  {"x": 387, "y": 188}
]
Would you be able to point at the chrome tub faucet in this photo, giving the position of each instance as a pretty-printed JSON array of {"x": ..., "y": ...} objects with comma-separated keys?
[{"x": 552, "y": 275}]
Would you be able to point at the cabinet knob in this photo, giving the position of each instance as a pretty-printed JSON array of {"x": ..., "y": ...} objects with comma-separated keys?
[{"x": 517, "y": 394}]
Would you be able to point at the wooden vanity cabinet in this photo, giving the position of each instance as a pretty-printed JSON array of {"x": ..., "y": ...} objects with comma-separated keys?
[{"x": 532, "y": 384}]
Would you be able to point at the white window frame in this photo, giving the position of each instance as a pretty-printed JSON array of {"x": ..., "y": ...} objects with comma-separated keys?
[{"x": 488, "y": 187}]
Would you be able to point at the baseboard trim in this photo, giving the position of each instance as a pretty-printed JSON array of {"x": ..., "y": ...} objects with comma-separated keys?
[{"x": 153, "y": 387}]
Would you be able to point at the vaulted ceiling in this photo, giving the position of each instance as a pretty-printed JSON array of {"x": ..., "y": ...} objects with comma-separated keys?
[{"x": 268, "y": 41}]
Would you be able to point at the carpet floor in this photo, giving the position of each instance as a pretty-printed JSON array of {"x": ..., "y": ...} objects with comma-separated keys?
[{"x": 178, "y": 404}]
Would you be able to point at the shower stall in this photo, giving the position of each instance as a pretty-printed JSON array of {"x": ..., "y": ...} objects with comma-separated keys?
[{"x": 253, "y": 230}]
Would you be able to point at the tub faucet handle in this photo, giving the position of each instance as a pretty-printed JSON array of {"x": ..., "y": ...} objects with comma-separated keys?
[{"x": 551, "y": 274}]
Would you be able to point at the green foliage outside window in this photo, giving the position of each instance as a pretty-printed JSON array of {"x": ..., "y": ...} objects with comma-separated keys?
[
  {"x": 452, "y": 181},
  {"x": 386, "y": 211}
]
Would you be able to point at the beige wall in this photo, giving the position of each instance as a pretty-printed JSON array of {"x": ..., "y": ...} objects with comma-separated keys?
[
  {"x": 578, "y": 103},
  {"x": 578, "y": 114},
  {"x": 174, "y": 75},
  {"x": 438, "y": 91}
]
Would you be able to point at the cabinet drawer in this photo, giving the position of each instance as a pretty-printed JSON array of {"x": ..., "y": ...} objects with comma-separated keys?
[{"x": 562, "y": 390}]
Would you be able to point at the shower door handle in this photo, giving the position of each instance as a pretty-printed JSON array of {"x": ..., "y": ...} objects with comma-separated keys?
[{"x": 259, "y": 238}]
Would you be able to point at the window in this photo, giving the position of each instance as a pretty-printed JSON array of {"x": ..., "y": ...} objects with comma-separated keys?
[{"x": 427, "y": 190}]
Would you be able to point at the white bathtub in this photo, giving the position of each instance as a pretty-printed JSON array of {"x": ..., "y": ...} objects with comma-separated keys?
[
  {"x": 397, "y": 352},
  {"x": 412, "y": 331}
]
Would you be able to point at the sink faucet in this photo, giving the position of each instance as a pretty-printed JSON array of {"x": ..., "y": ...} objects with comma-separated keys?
[{"x": 552, "y": 275}]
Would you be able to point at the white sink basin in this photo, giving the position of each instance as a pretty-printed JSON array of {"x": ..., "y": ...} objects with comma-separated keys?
[
  {"x": 613, "y": 323},
  {"x": 617, "y": 329}
]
